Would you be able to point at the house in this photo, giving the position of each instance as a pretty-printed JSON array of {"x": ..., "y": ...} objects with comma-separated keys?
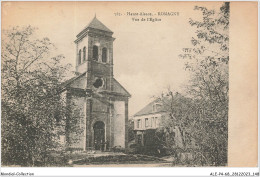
[
  {"x": 148, "y": 118},
  {"x": 153, "y": 117},
  {"x": 97, "y": 103}
]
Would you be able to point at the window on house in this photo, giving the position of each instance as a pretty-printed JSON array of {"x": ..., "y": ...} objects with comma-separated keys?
[
  {"x": 146, "y": 122},
  {"x": 84, "y": 54},
  {"x": 79, "y": 62},
  {"x": 152, "y": 122},
  {"x": 139, "y": 123},
  {"x": 104, "y": 55},
  {"x": 155, "y": 122},
  {"x": 95, "y": 52}
]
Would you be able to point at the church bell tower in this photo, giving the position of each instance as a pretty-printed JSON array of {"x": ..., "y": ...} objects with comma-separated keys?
[{"x": 94, "y": 49}]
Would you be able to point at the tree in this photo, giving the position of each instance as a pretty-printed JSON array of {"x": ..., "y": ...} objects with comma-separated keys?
[
  {"x": 32, "y": 109},
  {"x": 131, "y": 133},
  {"x": 207, "y": 62},
  {"x": 201, "y": 118},
  {"x": 177, "y": 124}
]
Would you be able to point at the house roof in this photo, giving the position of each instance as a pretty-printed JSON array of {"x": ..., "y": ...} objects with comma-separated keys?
[
  {"x": 165, "y": 104},
  {"x": 96, "y": 24},
  {"x": 148, "y": 109}
]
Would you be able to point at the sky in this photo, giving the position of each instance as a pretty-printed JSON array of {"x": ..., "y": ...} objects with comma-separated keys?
[{"x": 146, "y": 53}]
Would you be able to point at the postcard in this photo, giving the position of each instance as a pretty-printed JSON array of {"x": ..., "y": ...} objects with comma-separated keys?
[{"x": 129, "y": 84}]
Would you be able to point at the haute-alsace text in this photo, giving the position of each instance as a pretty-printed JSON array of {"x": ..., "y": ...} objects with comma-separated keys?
[{"x": 139, "y": 14}]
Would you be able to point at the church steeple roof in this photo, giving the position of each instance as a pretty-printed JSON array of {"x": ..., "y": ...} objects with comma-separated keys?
[{"x": 96, "y": 24}]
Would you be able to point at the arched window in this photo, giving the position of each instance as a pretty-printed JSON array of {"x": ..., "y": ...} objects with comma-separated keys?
[
  {"x": 79, "y": 62},
  {"x": 104, "y": 55},
  {"x": 84, "y": 54},
  {"x": 95, "y": 52}
]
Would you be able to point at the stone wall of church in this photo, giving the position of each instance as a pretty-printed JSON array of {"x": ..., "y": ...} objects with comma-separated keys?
[
  {"x": 101, "y": 42},
  {"x": 77, "y": 123},
  {"x": 93, "y": 110},
  {"x": 79, "y": 46},
  {"x": 98, "y": 68},
  {"x": 119, "y": 123},
  {"x": 100, "y": 112}
]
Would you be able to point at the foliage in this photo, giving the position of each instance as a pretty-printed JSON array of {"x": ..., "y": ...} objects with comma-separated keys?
[
  {"x": 131, "y": 133},
  {"x": 209, "y": 57},
  {"x": 203, "y": 117},
  {"x": 32, "y": 109},
  {"x": 177, "y": 124},
  {"x": 210, "y": 82}
]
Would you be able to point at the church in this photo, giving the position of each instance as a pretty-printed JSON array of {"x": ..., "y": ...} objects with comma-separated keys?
[{"x": 97, "y": 104}]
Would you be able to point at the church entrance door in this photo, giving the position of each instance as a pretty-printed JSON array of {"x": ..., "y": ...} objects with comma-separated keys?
[{"x": 99, "y": 135}]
